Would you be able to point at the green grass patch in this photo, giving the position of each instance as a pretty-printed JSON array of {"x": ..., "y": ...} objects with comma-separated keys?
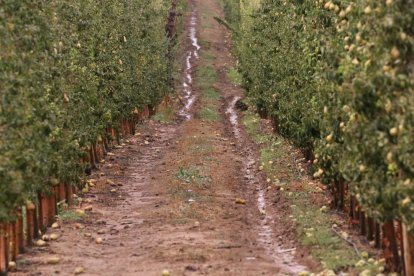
[
  {"x": 209, "y": 114},
  {"x": 314, "y": 228},
  {"x": 211, "y": 93},
  {"x": 67, "y": 214},
  {"x": 253, "y": 127},
  {"x": 206, "y": 76},
  {"x": 234, "y": 76},
  {"x": 193, "y": 176},
  {"x": 165, "y": 115}
]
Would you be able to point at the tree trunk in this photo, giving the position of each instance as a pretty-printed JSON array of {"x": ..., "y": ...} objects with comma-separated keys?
[
  {"x": 408, "y": 241},
  {"x": 371, "y": 226},
  {"x": 362, "y": 223},
  {"x": 3, "y": 250},
  {"x": 391, "y": 246}
]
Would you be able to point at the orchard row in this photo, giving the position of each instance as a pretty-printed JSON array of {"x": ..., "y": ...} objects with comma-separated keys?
[
  {"x": 337, "y": 77},
  {"x": 69, "y": 71}
]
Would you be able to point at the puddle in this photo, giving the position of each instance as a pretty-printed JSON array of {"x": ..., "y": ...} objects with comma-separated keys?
[
  {"x": 234, "y": 118},
  {"x": 192, "y": 54},
  {"x": 281, "y": 256}
]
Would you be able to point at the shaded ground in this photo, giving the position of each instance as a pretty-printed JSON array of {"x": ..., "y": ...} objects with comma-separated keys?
[{"x": 185, "y": 196}]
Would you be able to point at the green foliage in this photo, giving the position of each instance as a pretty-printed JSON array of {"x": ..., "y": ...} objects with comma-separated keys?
[
  {"x": 209, "y": 114},
  {"x": 164, "y": 115},
  {"x": 210, "y": 93},
  {"x": 67, "y": 214},
  {"x": 234, "y": 76},
  {"x": 313, "y": 225},
  {"x": 337, "y": 77},
  {"x": 193, "y": 175},
  {"x": 68, "y": 70},
  {"x": 206, "y": 76}
]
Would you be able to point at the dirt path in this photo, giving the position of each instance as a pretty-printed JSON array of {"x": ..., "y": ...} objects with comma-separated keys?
[{"x": 175, "y": 186}]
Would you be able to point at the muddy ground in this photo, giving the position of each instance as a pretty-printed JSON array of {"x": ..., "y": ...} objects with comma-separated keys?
[{"x": 182, "y": 196}]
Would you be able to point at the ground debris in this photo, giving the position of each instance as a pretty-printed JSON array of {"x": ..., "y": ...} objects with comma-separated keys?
[{"x": 240, "y": 201}]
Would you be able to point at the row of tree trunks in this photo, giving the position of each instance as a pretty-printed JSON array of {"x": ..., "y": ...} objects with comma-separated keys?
[
  {"x": 15, "y": 237},
  {"x": 408, "y": 243},
  {"x": 390, "y": 246},
  {"x": 393, "y": 237},
  {"x": 339, "y": 193},
  {"x": 4, "y": 248}
]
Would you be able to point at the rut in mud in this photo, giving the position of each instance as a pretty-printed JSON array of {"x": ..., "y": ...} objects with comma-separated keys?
[{"x": 170, "y": 199}]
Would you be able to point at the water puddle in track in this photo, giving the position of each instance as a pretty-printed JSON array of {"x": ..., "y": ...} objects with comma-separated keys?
[
  {"x": 192, "y": 54},
  {"x": 266, "y": 238},
  {"x": 233, "y": 117}
]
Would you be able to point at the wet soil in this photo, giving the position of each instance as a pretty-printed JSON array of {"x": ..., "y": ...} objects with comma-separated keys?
[{"x": 170, "y": 202}]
